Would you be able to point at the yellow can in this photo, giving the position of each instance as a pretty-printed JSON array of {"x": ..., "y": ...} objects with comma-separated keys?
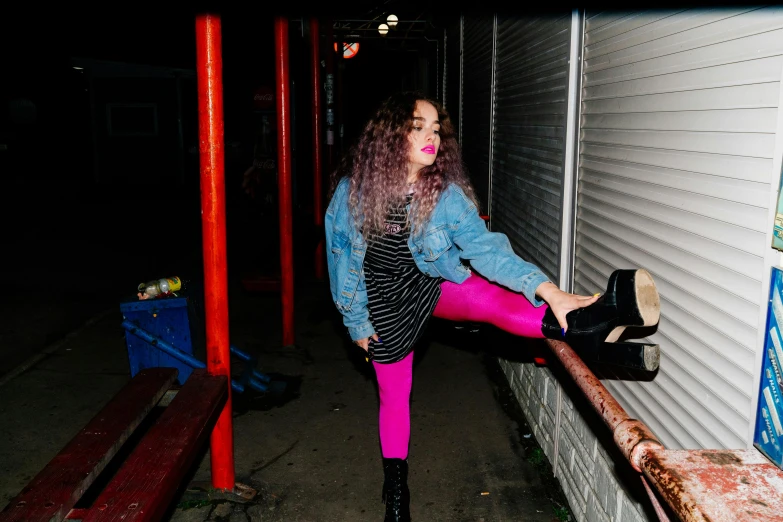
[{"x": 174, "y": 284}]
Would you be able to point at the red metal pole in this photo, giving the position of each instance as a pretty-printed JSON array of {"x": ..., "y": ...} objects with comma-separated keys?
[
  {"x": 315, "y": 65},
  {"x": 340, "y": 123},
  {"x": 209, "y": 65},
  {"x": 282, "y": 101}
]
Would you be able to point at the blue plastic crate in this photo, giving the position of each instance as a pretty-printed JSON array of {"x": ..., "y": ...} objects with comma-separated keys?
[
  {"x": 166, "y": 319},
  {"x": 768, "y": 437}
]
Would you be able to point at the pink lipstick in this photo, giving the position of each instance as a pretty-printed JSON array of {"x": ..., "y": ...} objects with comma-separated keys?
[{"x": 429, "y": 149}]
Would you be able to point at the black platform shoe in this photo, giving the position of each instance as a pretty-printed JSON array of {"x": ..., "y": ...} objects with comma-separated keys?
[
  {"x": 631, "y": 299},
  {"x": 395, "y": 490}
]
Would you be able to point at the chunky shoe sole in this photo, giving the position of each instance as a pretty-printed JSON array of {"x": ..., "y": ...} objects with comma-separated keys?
[
  {"x": 643, "y": 301},
  {"x": 637, "y": 356}
]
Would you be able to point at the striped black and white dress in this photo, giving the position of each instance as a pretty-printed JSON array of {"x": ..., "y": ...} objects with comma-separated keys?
[{"x": 400, "y": 297}]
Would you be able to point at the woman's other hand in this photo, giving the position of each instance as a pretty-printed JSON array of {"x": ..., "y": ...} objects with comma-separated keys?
[
  {"x": 364, "y": 344},
  {"x": 562, "y": 302}
]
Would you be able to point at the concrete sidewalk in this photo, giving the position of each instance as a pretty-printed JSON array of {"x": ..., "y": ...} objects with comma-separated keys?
[{"x": 312, "y": 453}]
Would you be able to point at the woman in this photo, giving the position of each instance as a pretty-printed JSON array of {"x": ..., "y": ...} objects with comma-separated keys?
[{"x": 401, "y": 224}]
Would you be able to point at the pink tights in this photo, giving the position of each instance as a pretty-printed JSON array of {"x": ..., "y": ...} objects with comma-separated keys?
[
  {"x": 475, "y": 300},
  {"x": 394, "y": 419},
  {"x": 480, "y": 301}
]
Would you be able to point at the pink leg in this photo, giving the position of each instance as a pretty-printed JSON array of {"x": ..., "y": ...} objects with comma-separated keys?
[
  {"x": 478, "y": 300},
  {"x": 394, "y": 419}
]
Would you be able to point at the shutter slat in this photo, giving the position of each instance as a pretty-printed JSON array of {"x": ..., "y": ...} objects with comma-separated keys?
[
  {"x": 686, "y": 23},
  {"x": 737, "y": 120},
  {"x": 736, "y": 214},
  {"x": 732, "y": 144},
  {"x": 740, "y": 73},
  {"x": 690, "y": 51},
  {"x": 733, "y": 167},
  {"x": 739, "y": 191}
]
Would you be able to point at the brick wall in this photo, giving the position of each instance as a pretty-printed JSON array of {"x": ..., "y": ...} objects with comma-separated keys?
[{"x": 599, "y": 483}]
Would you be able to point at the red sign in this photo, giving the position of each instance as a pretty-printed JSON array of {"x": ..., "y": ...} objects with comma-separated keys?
[
  {"x": 349, "y": 49},
  {"x": 264, "y": 98}
]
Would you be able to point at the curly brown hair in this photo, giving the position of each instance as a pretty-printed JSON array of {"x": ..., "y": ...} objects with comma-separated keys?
[{"x": 377, "y": 165}]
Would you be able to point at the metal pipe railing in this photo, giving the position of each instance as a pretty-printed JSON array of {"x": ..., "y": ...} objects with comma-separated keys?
[
  {"x": 630, "y": 435},
  {"x": 697, "y": 485}
]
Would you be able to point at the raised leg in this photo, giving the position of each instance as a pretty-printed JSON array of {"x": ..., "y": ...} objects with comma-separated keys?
[
  {"x": 479, "y": 300},
  {"x": 631, "y": 299}
]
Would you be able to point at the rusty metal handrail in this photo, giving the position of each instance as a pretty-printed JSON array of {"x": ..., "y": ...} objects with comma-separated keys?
[{"x": 698, "y": 485}]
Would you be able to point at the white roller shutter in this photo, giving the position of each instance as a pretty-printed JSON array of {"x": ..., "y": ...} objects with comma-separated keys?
[
  {"x": 679, "y": 112},
  {"x": 528, "y": 152}
]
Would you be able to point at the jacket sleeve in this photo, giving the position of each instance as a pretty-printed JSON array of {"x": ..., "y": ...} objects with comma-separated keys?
[
  {"x": 491, "y": 254},
  {"x": 329, "y": 225},
  {"x": 356, "y": 317}
]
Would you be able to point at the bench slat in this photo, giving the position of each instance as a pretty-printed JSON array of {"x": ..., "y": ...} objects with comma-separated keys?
[
  {"x": 144, "y": 486},
  {"x": 56, "y": 488}
]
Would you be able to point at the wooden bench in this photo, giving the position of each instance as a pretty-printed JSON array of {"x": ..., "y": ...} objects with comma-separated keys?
[{"x": 145, "y": 483}]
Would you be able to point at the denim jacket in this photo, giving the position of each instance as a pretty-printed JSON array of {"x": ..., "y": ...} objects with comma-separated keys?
[{"x": 455, "y": 232}]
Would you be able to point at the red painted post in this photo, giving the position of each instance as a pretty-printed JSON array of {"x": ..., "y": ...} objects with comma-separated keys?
[
  {"x": 340, "y": 123},
  {"x": 209, "y": 66},
  {"x": 315, "y": 67},
  {"x": 282, "y": 101}
]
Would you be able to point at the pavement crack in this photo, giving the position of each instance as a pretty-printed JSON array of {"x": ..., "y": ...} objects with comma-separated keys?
[{"x": 275, "y": 459}]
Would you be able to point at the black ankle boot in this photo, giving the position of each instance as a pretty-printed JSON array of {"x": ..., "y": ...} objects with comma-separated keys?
[
  {"x": 631, "y": 299},
  {"x": 395, "y": 490}
]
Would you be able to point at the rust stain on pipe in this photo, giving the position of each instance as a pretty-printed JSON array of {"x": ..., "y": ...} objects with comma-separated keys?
[
  {"x": 698, "y": 485},
  {"x": 717, "y": 485}
]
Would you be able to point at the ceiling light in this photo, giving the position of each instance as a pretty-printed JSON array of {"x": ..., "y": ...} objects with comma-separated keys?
[
  {"x": 383, "y": 29},
  {"x": 392, "y": 21}
]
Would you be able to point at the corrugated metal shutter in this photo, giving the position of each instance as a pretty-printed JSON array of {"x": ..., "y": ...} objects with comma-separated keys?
[
  {"x": 531, "y": 87},
  {"x": 452, "y": 78},
  {"x": 678, "y": 124},
  {"x": 477, "y": 93}
]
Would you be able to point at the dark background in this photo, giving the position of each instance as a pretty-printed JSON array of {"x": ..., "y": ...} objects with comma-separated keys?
[{"x": 85, "y": 210}]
